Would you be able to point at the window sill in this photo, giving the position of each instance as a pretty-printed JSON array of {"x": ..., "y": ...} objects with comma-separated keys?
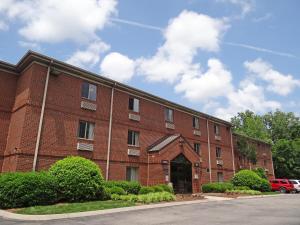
[
  {"x": 84, "y": 139},
  {"x": 133, "y": 146},
  {"x": 87, "y": 99}
]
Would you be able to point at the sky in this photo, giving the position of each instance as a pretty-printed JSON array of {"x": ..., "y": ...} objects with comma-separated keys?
[{"x": 220, "y": 57}]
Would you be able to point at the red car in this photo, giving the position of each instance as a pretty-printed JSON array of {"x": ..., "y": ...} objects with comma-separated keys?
[{"x": 282, "y": 185}]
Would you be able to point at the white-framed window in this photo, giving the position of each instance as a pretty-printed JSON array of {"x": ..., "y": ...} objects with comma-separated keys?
[
  {"x": 169, "y": 113},
  {"x": 89, "y": 91},
  {"x": 196, "y": 124},
  {"x": 220, "y": 177},
  {"x": 134, "y": 104},
  {"x": 217, "y": 129},
  {"x": 132, "y": 173},
  {"x": 86, "y": 130},
  {"x": 218, "y": 152},
  {"x": 197, "y": 148},
  {"x": 133, "y": 138}
]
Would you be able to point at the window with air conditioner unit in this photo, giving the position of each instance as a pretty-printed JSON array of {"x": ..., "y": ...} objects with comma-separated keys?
[
  {"x": 217, "y": 129},
  {"x": 196, "y": 124},
  {"x": 134, "y": 104},
  {"x": 133, "y": 138},
  {"x": 218, "y": 152}
]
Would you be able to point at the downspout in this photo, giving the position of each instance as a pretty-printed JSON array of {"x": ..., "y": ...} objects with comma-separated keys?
[
  {"x": 232, "y": 151},
  {"x": 208, "y": 144},
  {"x": 109, "y": 131},
  {"x": 148, "y": 169},
  {"x": 272, "y": 164},
  {"x": 38, "y": 139}
]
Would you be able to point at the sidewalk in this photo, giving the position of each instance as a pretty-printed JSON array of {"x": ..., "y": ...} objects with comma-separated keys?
[{"x": 15, "y": 216}]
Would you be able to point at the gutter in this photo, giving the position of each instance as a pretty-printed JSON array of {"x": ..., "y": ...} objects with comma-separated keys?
[
  {"x": 208, "y": 145},
  {"x": 232, "y": 151},
  {"x": 109, "y": 131},
  {"x": 38, "y": 139}
]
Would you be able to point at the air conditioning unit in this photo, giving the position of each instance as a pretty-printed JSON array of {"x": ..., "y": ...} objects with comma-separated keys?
[
  {"x": 220, "y": 162},
  {"x": 88, "y": 105},
  {"x": 218, "y": 138},
  {"x": 170, "y": 126},
  {"x": 85, "y": 146},
  {"x": 134, "y": 152},
  {"x": 134, "y": 117},
  {"x": 197, "y": 132},
  {"x": 200, "y": 160}
]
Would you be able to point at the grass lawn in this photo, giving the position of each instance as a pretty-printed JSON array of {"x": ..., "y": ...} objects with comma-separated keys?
[
  {"x": 270, "y": 193},
  {"x": 74, "y": 207}
]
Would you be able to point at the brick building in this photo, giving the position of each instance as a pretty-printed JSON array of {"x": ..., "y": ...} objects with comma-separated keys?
[{"x": 49, "y": 110}]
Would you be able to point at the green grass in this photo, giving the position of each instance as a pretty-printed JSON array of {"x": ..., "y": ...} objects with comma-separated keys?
[
  {"x": 74, "y": 207},
  {"x": 270, "y": 193}
]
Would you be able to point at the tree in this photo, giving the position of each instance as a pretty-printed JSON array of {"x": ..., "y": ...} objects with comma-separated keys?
[
  {"x": 247, "y": 150},
  {"x": 251, "y": 125}
]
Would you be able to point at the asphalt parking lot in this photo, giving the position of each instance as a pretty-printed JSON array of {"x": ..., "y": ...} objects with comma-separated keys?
[{"x": 281, "y": 210}]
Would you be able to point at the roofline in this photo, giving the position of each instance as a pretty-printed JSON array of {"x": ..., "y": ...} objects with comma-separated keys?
[
  {"x": 251, "y": 138},
  {"x": 32, "y": 56}
]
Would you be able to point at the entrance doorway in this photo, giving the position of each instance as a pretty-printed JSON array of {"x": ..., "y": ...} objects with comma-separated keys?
[{"x": 181, "y": 174}]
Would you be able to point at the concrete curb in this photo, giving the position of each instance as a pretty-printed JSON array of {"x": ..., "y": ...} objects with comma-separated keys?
[{"x": 15, "y": 216}]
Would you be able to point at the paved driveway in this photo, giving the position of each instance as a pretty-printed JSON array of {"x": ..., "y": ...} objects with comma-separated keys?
[{"x": 281, "y": 210}]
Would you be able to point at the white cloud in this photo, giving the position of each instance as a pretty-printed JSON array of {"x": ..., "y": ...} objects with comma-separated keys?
[
  {"x": 202, "y": 87},
  {"x": 184, "y": 36},
  {"x": 57, "y": 20},
  {"x": 279, "y": 83},
  {"x": 118, "y": 67},
  {"x": 3, "y": 26},
  {"x": 245, "y": 5},
  {"x": 90, "y": 56},
  {"x": 262, "y": 18},
  {"x": 248, "y": 96},
  {"x": 30, "y": 45}
]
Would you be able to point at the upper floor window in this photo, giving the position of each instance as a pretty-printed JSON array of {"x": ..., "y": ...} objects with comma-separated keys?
[
  {"x": 197, "y": 148},
  {"x": 169, "y": 115},
  {"x": 133, "y": 138},
  {"x": 217, "y": 129},
  {"x": 134, "y": 104},
  {"x": 196, "y": 122},
  {"x": 218, "y": 152},
  {"x": 89, "y": 91},
  {"x": 86, "y": 130}
]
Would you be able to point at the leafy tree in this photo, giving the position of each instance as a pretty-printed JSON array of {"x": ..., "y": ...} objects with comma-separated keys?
[
  {"x": 247, "y": 150},
  {"x": 249, "y": 124}
]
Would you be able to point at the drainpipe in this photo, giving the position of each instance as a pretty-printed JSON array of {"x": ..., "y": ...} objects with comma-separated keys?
[
  {"x": 232, "y": 151},
  {"x": 148, "y": 169},
  {"x": 272, "y": 164},
  {"x": 208, "y": 144},
  {"x": 38, "y": 139},
  {"x": 109, "y": 131}
]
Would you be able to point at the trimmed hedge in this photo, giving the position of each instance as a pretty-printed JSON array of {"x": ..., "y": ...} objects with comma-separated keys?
[
  {"x": 117, "y": 190},
  {"x": 247, "y": 192},
  {"x": 250, "y": 179},
  {"x": 166, "y": 188},
  {"x": 245, "y": 188},
  {"x": 217, "y": 187},
  {"x": 146, "y": 190},
  {"x": 27, "y": 189},
  {"x": 79, "y": 179},
  {"x": 146, "y": 198},
  {"x": 131, "y": 187}
]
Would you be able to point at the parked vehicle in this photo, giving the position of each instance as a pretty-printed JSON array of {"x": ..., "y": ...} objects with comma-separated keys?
[
  {"x": 282, "y": 185},
  {"x": 296, "y": 184}
]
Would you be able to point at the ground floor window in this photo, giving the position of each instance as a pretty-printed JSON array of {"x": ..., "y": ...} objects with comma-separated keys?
[
  {"x": 220, "y": 177},
  {"x": 132, "y": 173}
]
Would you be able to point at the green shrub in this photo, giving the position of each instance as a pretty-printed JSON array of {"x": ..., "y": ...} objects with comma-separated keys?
[
  {"x": 247, "y": 192},
  {"x": 145, "y": 198},
  {"x": 247, "y": 178},
  {"x": 166, "y": 188},
  {"x": 157, "y": 188},
  {"x": 216, "y": 187},
  {"x": 106, "y": 194},
  {"x": 241, "y": 188},
  {"x": 117, "y": 190},
  {"x": 79, "y": 179},
  {"x": 261, "y": 173},
  {"x": 146, "y": 190},
  {"x": 131, "y": 187},
  {"x": 27, "y": 189},
  {"x": 265, "y": 186}
]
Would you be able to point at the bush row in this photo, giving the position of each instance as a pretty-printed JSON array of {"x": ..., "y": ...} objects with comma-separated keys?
[
  {"x": 130, "y": 187},
  {"x": 247, "y": 192},
  {"x": 156, "y": 188},
  {"x": 217, "y": 187}
]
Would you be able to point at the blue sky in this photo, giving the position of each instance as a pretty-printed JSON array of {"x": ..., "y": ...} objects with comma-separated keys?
[{"x": 217, "y": 56}]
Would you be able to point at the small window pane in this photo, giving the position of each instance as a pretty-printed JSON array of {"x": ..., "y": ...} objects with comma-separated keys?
[
  {"x": 196, "y": 122},
  {"x": 81, "y": 131},
  {"x": 220, "y": 177},
  {"x": 92, "y": 92},
  {"x": 90, "y": 134},
  {"x": 132, "y": 173},
  {"x": 85, "y": 90},
  {"x": 217, "y": 129},
  {"x": 130, "y": 104},
  {"x": 169, "y": 115},
  {"x": 218, "y": 152},
  {"x": 136, "y": 105},
  {"x": 130, "y": 142},
  {"x": 197, "y": 148}
]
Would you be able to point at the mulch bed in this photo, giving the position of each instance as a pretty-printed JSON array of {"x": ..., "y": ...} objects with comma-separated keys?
[{"x": 189, "y": 197}]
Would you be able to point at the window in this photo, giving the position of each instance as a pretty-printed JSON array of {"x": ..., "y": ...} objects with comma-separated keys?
[
  {"x": 169, "y": 115},
  {"x": 218, "y": 152},
  {"x": 132, "y": 173},
  {"x": 86, "y": 130},
  {"x": 275, "y": 181},
  {"x": 197, "y": 148},
  {"x": 217, "y": 129},
  {"x": 89, "y": 91},
  {"x": 133, "y": 138},
  {"x": 220, "y": 177},
  {"x": 283, "y": 182},
  {"x": 265, "y": 162},
  {"x": 196, "y": 122},
  {"x": 134, "y": 104}
]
